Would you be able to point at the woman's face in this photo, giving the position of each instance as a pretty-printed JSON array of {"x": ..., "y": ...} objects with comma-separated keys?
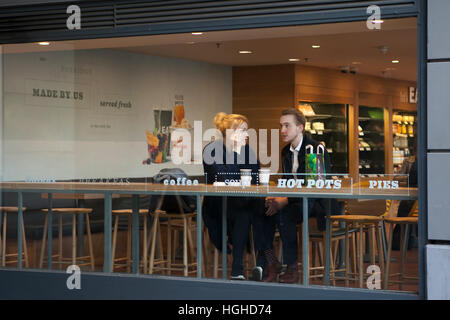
[{"x": 240, "y": 134}]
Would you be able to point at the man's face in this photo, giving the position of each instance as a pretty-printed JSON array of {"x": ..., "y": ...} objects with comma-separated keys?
[{"x": 289, "y": 128}]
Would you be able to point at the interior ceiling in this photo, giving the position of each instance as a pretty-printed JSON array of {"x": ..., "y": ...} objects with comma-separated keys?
[{"x": 341, "y": 44}]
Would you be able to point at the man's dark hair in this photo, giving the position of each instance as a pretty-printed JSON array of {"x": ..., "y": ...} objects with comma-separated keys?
[{"x": 298, "y": 116}]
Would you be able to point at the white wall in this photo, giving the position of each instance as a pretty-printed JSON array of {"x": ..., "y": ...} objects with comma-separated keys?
[
  {"x": 438, "y": 275},
  {"x": 438, "y": 218},
  {"x": 60, "y": 138},
  {"x": 1, "y": 113}
]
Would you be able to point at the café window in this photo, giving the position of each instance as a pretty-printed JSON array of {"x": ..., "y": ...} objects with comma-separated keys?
[{"x": 93, "y": 130}]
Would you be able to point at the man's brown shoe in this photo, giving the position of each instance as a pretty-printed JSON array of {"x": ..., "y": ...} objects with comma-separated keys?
[
  {"x": 273, "y": 270},
  {"x": 291, "y": 275}
]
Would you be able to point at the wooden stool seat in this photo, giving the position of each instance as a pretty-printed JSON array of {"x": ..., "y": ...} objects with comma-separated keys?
[
  {"x": 11, "y": 209},
  {"x": 402, "y": 220},
  {"x": 74, "y": 259},
  {"x": 128, "y": 211},
  {"x": 163, "y": 214},
  {"x": 4, "y": 255},
  {"x": 356, "y": 218},
  {"x": 128, "y": 259},
  {"x": 69, "y": 210}
]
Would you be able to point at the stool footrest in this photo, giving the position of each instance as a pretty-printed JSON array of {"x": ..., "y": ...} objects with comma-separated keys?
[
  {"x": 172, "y": 269},
  {"x": 13, "y": 255}
]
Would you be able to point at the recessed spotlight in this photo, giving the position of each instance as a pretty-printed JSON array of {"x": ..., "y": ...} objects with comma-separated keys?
[
  {"x": 294, "y": 59},
  {"x": 45, "y": 43},
  {"x": 245, "y": 51},
  {"x": 396, "y": 61},
  {"x": 315, "y": 46},
  {"x": 197, "y": 33}
]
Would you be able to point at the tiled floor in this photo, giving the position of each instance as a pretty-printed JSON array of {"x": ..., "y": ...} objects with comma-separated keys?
[{"x": 411, "y": 270}]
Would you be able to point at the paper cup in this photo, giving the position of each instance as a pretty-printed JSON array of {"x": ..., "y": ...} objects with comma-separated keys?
[
  {"x": 246, "y": 177},
  {"x": 264, "y": 176}
]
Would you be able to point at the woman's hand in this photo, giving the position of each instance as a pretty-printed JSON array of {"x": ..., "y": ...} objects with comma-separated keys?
[{"x": 275, "y": 204}]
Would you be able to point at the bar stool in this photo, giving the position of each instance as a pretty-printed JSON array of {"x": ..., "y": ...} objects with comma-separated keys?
[
  {"x": 5, "y": 211},
  {"x": 405, "y": 223},
  {"x": 373, "y": 224},
  {"x": 317, "y": 240},
  {"x": 210, "y": 249},
  {"x": 74, "y": 259},
  {"x": 175, "y": 223},
  {"x": 128, "y": 259}
]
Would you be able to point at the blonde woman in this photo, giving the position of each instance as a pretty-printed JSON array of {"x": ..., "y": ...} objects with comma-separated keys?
[{"x": 222, "y": 161}]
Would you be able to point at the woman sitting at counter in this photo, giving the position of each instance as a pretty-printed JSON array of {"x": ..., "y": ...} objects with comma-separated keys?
[{"x": 223, "y": 160}]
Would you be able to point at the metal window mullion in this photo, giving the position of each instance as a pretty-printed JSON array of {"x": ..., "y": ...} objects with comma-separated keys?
[
  {"x": 135, "y": 234},
  {"x": 305, "y": 249},
  {"x": 107, "y": 264},
  {"x": 19, "y": 230}
]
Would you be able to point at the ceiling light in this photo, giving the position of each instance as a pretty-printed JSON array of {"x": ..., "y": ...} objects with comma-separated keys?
[
  {"x": 315, "y": 46},
  {"x": 190, "y": 42},
  {"x": 245, "y": 51},
  {"x": 294, "y": 59},
  {"x": 197, "y": 33},
  {"x": 377, "y": 21},
  {"x": 44, "y": 43},
  {"x": 356, "y": 63},
  {"x": 395, "y": 61}
]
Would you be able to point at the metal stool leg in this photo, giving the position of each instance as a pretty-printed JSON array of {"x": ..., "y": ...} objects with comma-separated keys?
[
  {"x": 74, "y": 239},
  {"x": 60, "y": 241},
  {"x": 116, "y": 226},
  {"x": 388, "y": 259},
  {"x": 361, "y": 255},
  {"x": 4, "y": 240},
  {"x": 91, "y": 247},
  {"x": 25, "y": 248}
]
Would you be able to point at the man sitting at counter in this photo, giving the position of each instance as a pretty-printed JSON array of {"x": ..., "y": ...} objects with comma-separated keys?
[{"x": 288, "y": 212}]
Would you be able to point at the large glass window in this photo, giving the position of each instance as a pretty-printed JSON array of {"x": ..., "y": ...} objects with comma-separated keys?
[{"x": 92, "y": 130}]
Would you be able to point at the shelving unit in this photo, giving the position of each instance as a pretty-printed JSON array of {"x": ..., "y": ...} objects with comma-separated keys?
[
  {"x": 256, "y": 95},
  {"x": 404, "y": 131},
  {"x": 327, "y": 124},
  {"x": 371, "y": 140}
]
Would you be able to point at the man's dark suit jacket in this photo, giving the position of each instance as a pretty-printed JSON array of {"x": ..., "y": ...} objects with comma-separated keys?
[{"x": 317, "y": 207}]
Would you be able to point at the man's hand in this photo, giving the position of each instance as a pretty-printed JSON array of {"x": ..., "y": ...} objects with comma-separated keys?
[{"x": 275, "y": 204}]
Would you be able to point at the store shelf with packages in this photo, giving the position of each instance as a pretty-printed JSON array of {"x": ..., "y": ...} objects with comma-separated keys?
[
  {"x": 403, "y": 129},
  {"x": 327, "y": 124}
]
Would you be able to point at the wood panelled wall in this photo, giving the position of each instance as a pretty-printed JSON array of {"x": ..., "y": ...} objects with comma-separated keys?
[{"x": 262, "y": 92}]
